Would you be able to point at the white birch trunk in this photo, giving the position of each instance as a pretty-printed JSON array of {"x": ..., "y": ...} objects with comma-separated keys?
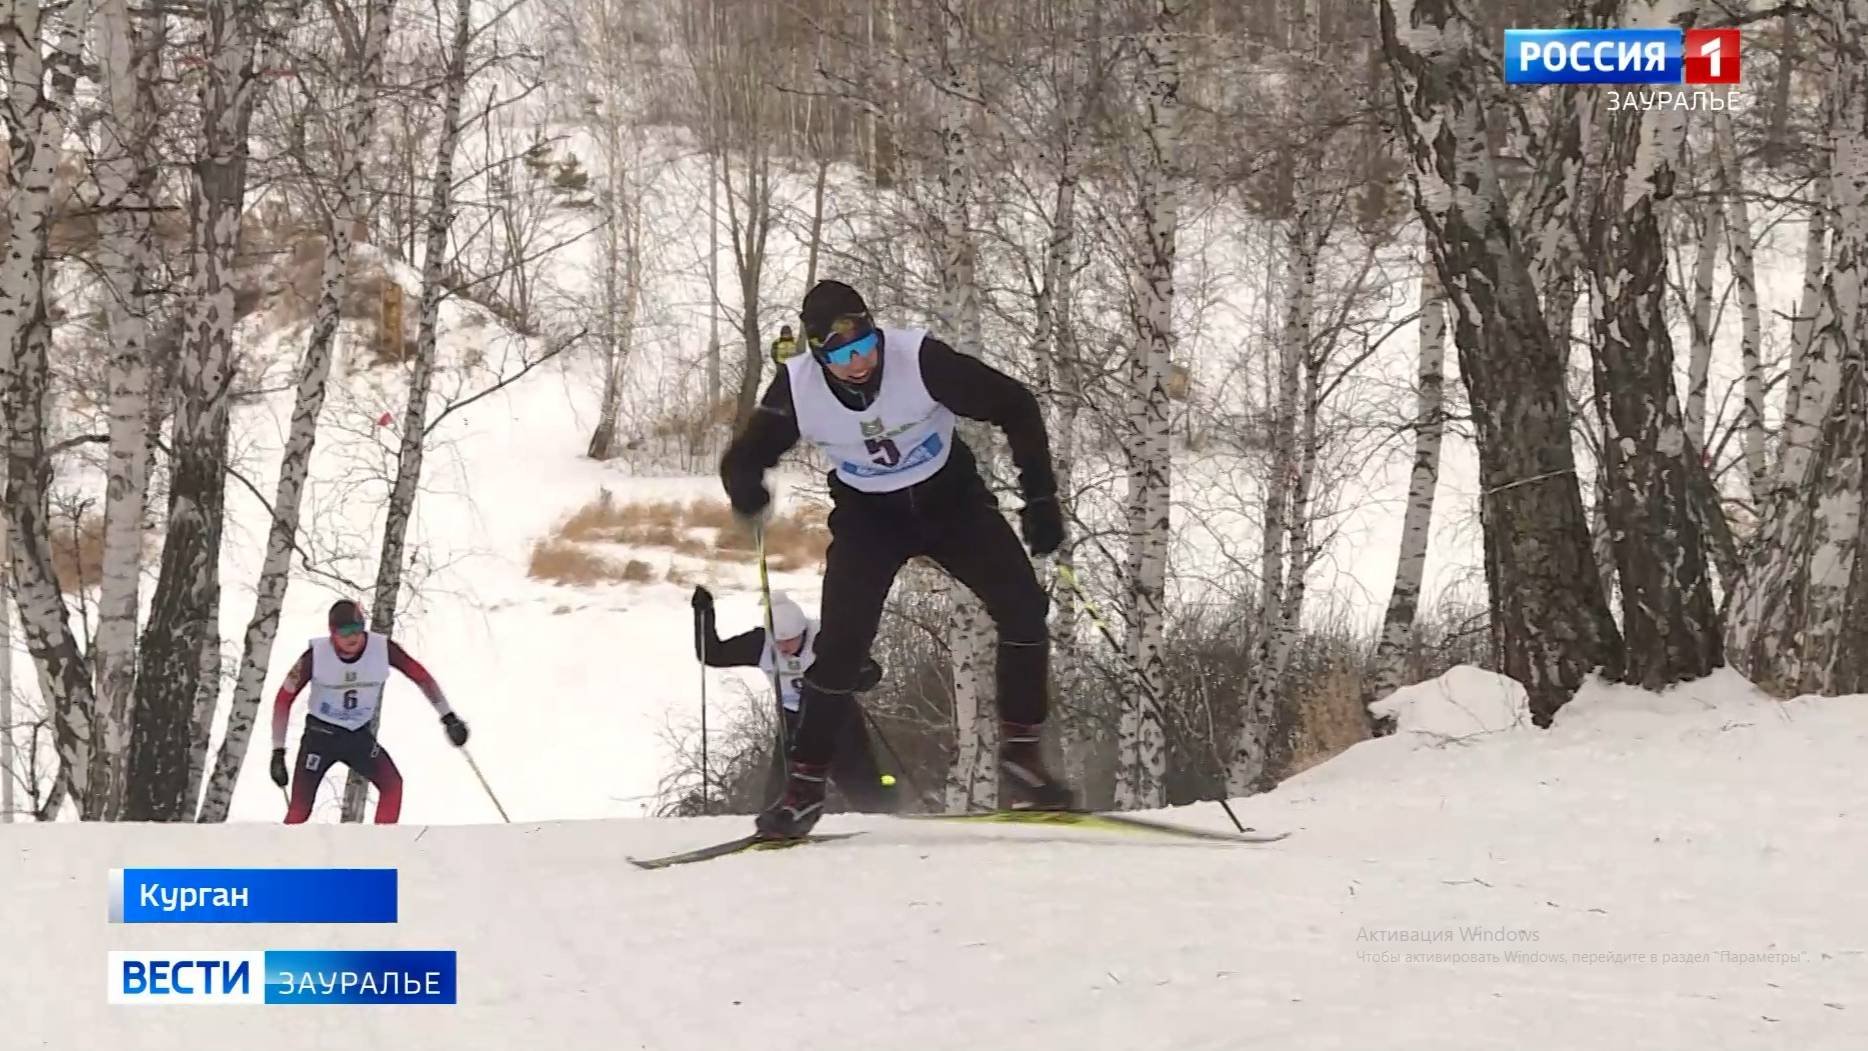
[
  {"x": 1741, "y": 246},
  {"x": 1417, "y": 521},
  {"x": 33, "y": 127},
  {"x": 1815, "y": 264},
  {"x": 1699, "y": 352},
  {"x": 714, "y": 380},
  {"x": 1790, "y": 609},
  {"x": 1056, "y": 351},
  {"x": 1551, "y": 626},
  {"x": 1842, "y": 324},
  {"x": 407, "y": 483},
  {"x": 968, "y": 753},
  {"x": 8, "y": 762},
  {"x": 973, "y": 782},
  {"x": 1283, "y": 528},
  {"x": 1142, "y": 747},
  {"x": 126, "y": 178},
  {"x": 207, "y": 697},
  {"x": 1660, "y": 530},
  {"x": 182, "y": 622},
  {"x": 1815, "y": 372},
  {"x": 969, "y": 630},
  {"x": 621, "y": 262},
  {"x": 295, "y": 465}
]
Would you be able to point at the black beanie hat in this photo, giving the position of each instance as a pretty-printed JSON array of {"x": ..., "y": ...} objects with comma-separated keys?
[
  {"x": 826, "y": 302},
  {"x": 345, "y": 614}
]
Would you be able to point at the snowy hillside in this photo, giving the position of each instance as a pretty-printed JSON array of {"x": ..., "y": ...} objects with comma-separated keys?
[
  {"x": 569, "y": 689},
  {"x": 1664, "y": 872},
  {"x": 566, "y": 689}
]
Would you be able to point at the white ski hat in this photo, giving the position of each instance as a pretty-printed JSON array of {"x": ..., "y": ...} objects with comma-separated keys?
[{"x": 788, "y": 620}]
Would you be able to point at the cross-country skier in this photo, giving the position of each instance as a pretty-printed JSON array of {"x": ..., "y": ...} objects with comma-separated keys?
[
  {"x": 881, "y": 403},
  {"x": 854, "y": 768},
  {"x": 347, "y": 671},
  {"x": 785, "y": 347}
]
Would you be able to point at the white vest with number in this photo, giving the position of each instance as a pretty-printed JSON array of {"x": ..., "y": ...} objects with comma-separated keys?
[
  {"x": 902, "y": 438},
  {"x": 348, "y": 693},
  {"x": 790, "y": 669}
]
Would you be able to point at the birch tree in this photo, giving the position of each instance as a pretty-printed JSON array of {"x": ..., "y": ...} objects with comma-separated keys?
[
  {"x": 1815, "y": 264},
  {"x": 606, "y": 35},
  {"x": 170, "y": 687},
  {"x": 1741, "y": 249},
  {"x": 1668, "y": 617},
  {"x": 1141, "y": 740},
  {"x": 1794, "y": 603},
  {"x": 8, "y": 761},
  {"x": 1080, "y": 75},
  {"x": 1706, "y": 221},
  {"x": 974, "y": 779},
  {"x": 37, "y": 93},
  {"x": 1551, "y": 623},
  {"x": 390, "y": 562},
  {"x": 363, "y": 45},
  {"x": 1279, "y": 568},
  {"x": 1417, "y": 521},
  {"x": 125, "y": 174}
]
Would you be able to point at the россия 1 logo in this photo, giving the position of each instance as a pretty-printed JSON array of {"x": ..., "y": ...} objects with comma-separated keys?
[
  {"x": 1700, "y": 59},
  {"x": 1703, "y": 57}
]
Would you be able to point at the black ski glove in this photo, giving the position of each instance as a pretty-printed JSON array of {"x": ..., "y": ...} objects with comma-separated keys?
[
  {"x": 749, "y": 497},
  {"x": 869, "y": 677},
  {"x": 278, "y": 767},
  {"x": 703, "y": 600},
  {"x": 1043, "y": 522},
  {"x": 457, "y": 730}
]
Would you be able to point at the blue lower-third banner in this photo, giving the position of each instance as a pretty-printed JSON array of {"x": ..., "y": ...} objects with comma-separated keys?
[
  {"x": 251, "y": 895},
  {"x": 304, "y": 977}
]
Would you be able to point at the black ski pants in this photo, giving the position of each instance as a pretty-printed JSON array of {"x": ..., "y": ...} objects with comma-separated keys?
[
  {"x": 872, "y": 536},
  {"x": 853, "y": 769}
]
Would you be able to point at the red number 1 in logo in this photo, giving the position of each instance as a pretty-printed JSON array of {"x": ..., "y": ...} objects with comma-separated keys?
[{"x": 1711, "y": 56}]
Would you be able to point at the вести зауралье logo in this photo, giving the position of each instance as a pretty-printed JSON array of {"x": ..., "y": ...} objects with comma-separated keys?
[{"x": 331, "y": 977}]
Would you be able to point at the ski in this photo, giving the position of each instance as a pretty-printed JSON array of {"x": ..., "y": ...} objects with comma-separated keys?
[
  {"x": 1113, "y": 822},
  {"x": 736, "y": 846}
]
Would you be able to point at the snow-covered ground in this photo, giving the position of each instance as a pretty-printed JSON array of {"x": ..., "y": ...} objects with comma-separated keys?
[{"x": 1682, "y": 871}]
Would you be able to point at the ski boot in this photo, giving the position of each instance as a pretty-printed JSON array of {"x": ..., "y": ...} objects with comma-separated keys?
[
  {"x": 1022, "y": 759},
  {"x": 797, "y": 811}
]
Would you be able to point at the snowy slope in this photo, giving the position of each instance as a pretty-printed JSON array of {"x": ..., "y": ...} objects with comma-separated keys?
[
  {"x": 1686, "y": 870},
  {"x": 567, "y": 690}
]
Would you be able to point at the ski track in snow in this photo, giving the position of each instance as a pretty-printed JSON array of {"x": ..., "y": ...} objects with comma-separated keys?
[{"x": 1702, "y": 821}]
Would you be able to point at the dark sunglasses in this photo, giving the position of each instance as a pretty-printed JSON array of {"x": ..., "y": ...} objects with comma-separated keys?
[{"x": 850, "y": 336}]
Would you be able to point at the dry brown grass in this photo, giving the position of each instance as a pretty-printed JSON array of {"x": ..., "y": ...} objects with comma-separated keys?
[
  {"x": 693, "y": 428},
  {"x": 794, "y": 541},
  {"x": 1331, "y": 720},
  {"x": 563, "y": 562},
  {"x": 78, "y": 551}
]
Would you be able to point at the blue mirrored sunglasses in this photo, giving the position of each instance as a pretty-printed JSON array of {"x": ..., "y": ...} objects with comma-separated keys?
[{"x": 855, "y": 348}]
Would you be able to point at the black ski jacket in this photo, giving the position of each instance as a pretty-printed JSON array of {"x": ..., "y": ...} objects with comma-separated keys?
[
  {"x": 745, "y": 649},
  {"x": 964, "y": 384}
]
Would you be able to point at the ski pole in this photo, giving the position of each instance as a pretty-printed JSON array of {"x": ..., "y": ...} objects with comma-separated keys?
[
  {"x": 1069, "y": 576},
  {"x": 913, "y": 786},
  {"x": 700, "y": 647},
  {"x": 771, "y": 639},
  {"x": 489, "y": 788}
]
